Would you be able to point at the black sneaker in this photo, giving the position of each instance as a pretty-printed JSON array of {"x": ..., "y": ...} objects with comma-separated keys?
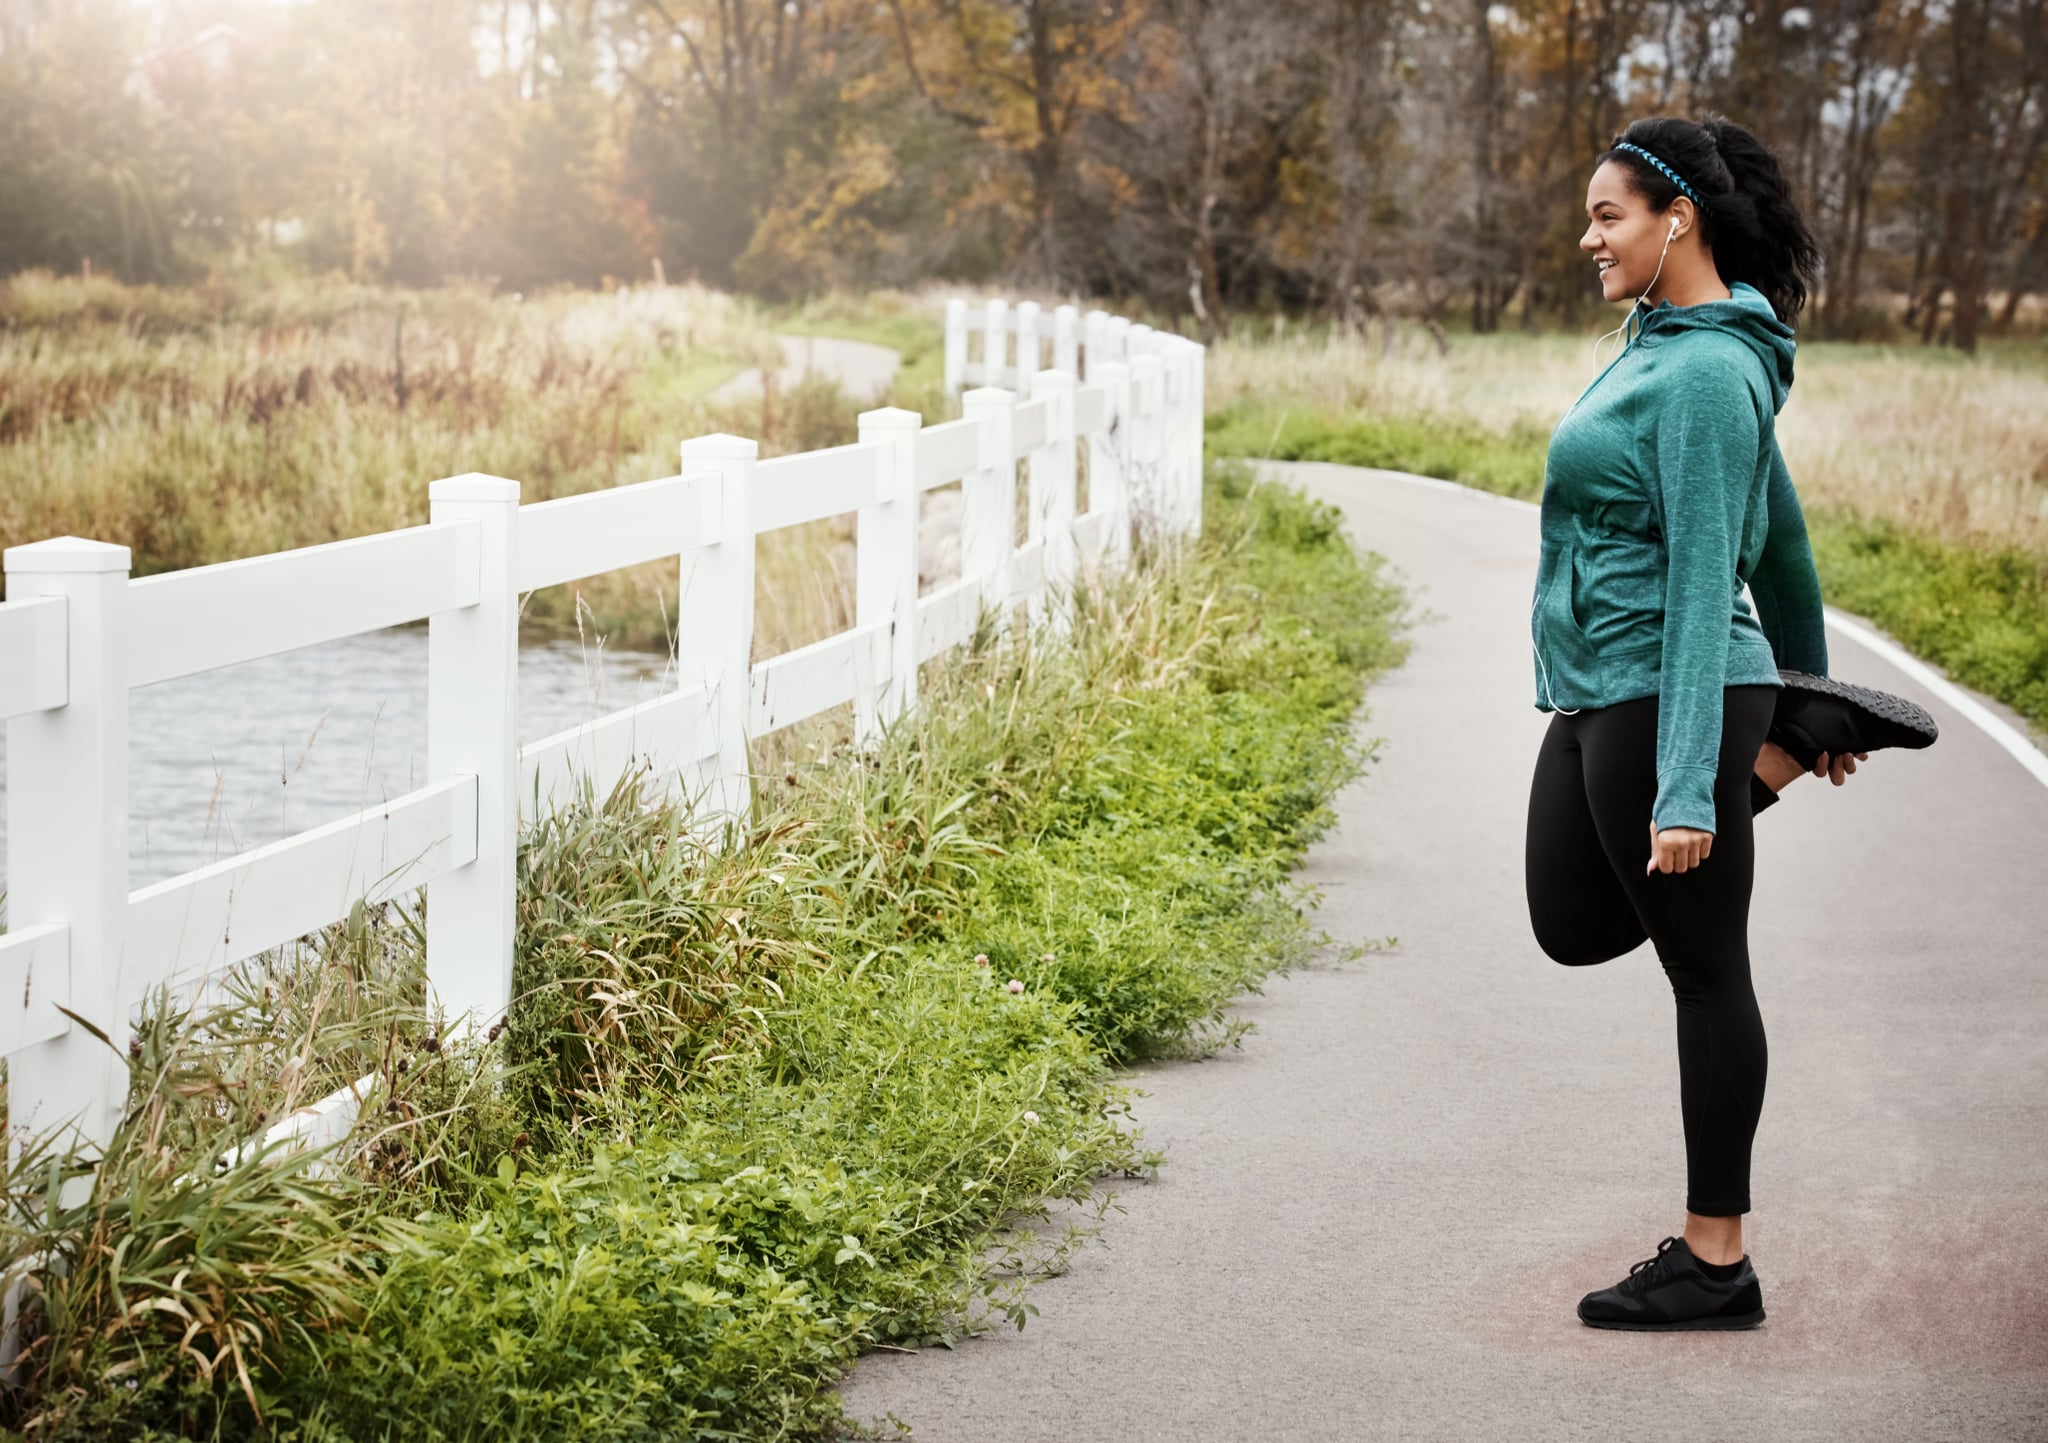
[
  {"x": 1816, "y": 714},
  {"x": 1669, "y": 1292}
]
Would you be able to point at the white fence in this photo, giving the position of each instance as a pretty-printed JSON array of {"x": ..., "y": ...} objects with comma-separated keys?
[{"x": 76, "y": 634}]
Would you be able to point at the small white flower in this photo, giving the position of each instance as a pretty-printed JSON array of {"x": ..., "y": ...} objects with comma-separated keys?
[
  {"x": 981, "y": 959},
  {"x": 1015, "y": 985},
  {"x": 1045, "y": 956},
  {"x": 1031, "y": 1117}
]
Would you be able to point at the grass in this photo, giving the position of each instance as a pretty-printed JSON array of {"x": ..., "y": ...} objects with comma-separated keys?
[
  {"x": 1924, "y": 474},
  {"x": 1982, "y": 612},
  {"x": 1451, "y": 448},
  {"x": 204, "y": 425},
  {"x": 758, "y": 1108}
]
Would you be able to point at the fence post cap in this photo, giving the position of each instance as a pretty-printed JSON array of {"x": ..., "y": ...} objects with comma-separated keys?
[
  {"x": 890, "y": 418},
  {"x": 473, "y": 486},
  {"x": 718, "y": 446},
  {"x": 65, "y": 554}
]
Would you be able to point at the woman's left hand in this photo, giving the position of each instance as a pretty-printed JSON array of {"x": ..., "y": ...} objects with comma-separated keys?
[
  {"x": 1838, "y": 768},
  {"x": 1677, "y": 849}
]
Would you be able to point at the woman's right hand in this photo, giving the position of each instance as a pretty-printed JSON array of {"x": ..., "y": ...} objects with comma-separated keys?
[{"x": 1837, "y": 768}]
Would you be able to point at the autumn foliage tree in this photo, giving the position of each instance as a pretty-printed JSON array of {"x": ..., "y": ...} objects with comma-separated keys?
[{"x": 1360, "y": 159}]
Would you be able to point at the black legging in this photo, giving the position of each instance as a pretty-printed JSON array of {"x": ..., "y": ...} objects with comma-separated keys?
[{"x": 1589, "y": 900}]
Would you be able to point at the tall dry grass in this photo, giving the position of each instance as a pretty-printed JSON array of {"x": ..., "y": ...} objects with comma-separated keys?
[
  {"x": 202, "y": 425},
  {"x": 1948, "y": 445}
]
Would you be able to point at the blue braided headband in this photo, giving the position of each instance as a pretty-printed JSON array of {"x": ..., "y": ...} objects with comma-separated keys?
[{"x": 1669, "y": 174}]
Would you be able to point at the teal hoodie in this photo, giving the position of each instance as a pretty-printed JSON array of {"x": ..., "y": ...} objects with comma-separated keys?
[{"x": 1663, "y": 494}]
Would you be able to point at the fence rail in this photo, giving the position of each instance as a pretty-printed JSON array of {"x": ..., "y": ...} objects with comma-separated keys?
[{"x": 77, "y": 634}]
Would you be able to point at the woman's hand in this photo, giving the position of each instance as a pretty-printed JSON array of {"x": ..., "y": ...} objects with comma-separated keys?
[
  {"x": 1836, "y": 768},
  {"x": 1677, "y": 849}
]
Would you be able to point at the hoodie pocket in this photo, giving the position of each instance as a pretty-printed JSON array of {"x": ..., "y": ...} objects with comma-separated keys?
[
  {"x": 1571, "y": 595},
  {"x": 1561, "y": 646},
  {"x": 1560, "y": 609}
]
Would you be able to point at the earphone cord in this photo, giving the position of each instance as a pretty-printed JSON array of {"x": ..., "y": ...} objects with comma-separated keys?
[
  {"x": 1669, "y": 235},
  {"x": 1567, "y": 710}
]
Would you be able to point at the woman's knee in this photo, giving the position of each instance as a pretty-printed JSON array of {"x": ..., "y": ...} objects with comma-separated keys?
[
  {"x": 1571, "y": 943},
  {"x": 1584, "y": 956}
]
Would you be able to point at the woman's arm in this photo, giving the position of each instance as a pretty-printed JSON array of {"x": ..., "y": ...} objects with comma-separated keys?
[
  {"x": 1786, "y": 587},
  {"x": 1708, "y": 435}
]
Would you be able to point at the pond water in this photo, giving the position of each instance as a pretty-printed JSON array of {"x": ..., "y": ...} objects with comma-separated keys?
[{"x": 234, "y": 758}]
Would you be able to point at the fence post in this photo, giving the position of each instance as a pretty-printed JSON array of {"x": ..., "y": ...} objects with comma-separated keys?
[
  {"x": 67, "y": 843},
  {"x": 1198, "y": 432},
  {"x": 1173, "y": 370},
  {"x": 1027, "y": 346},
  {"x": 1109, "y": 486},
  {"x": 995, "y": 342},
  {"x": 885, "y": 567},
  {"x": 715, "y": 622},
  {"x": 1119, "y": 338},
  {"x": 1052, "y": 492},
  {"x": 472, "y": 728},
  {"x": 1094, "y": 343},
  {"x": 956, "y": 350},
  {"x": 1148, "y": 504},
  {"x": 1066, "y": 326},
  {"x": 988, "y": 520}
]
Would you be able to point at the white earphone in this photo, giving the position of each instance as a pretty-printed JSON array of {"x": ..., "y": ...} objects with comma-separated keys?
[{"x": 1669, "y": 236}]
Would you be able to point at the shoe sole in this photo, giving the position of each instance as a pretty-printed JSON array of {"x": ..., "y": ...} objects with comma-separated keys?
[
  {"x": 1745, "y": 1320},
  {"x": 1911, "y": 727}
]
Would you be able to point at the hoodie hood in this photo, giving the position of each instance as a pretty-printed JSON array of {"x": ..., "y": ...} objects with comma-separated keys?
[{"x": 1748, "y": 317}]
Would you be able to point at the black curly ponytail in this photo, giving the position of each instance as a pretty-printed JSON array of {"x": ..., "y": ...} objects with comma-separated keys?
[{"x": 1749, "y": 220}]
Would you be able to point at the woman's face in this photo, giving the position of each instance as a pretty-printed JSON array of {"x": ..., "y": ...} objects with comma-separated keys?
[{"x": 1623, "y": 235}]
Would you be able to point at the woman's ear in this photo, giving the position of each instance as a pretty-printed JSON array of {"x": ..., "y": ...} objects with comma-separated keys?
[{"x": 1683, "y": 213}]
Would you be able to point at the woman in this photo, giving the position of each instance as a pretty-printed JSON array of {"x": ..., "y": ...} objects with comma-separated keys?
[{"x": 1664, "y": 493}]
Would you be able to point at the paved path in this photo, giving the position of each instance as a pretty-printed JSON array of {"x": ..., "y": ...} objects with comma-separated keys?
[
  {"x": 1376, "y": 1219},
  {"x": 864, "y": 369}
]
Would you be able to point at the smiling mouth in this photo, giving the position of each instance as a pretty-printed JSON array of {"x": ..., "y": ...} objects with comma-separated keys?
[{"x": 1606, "y": 266}]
